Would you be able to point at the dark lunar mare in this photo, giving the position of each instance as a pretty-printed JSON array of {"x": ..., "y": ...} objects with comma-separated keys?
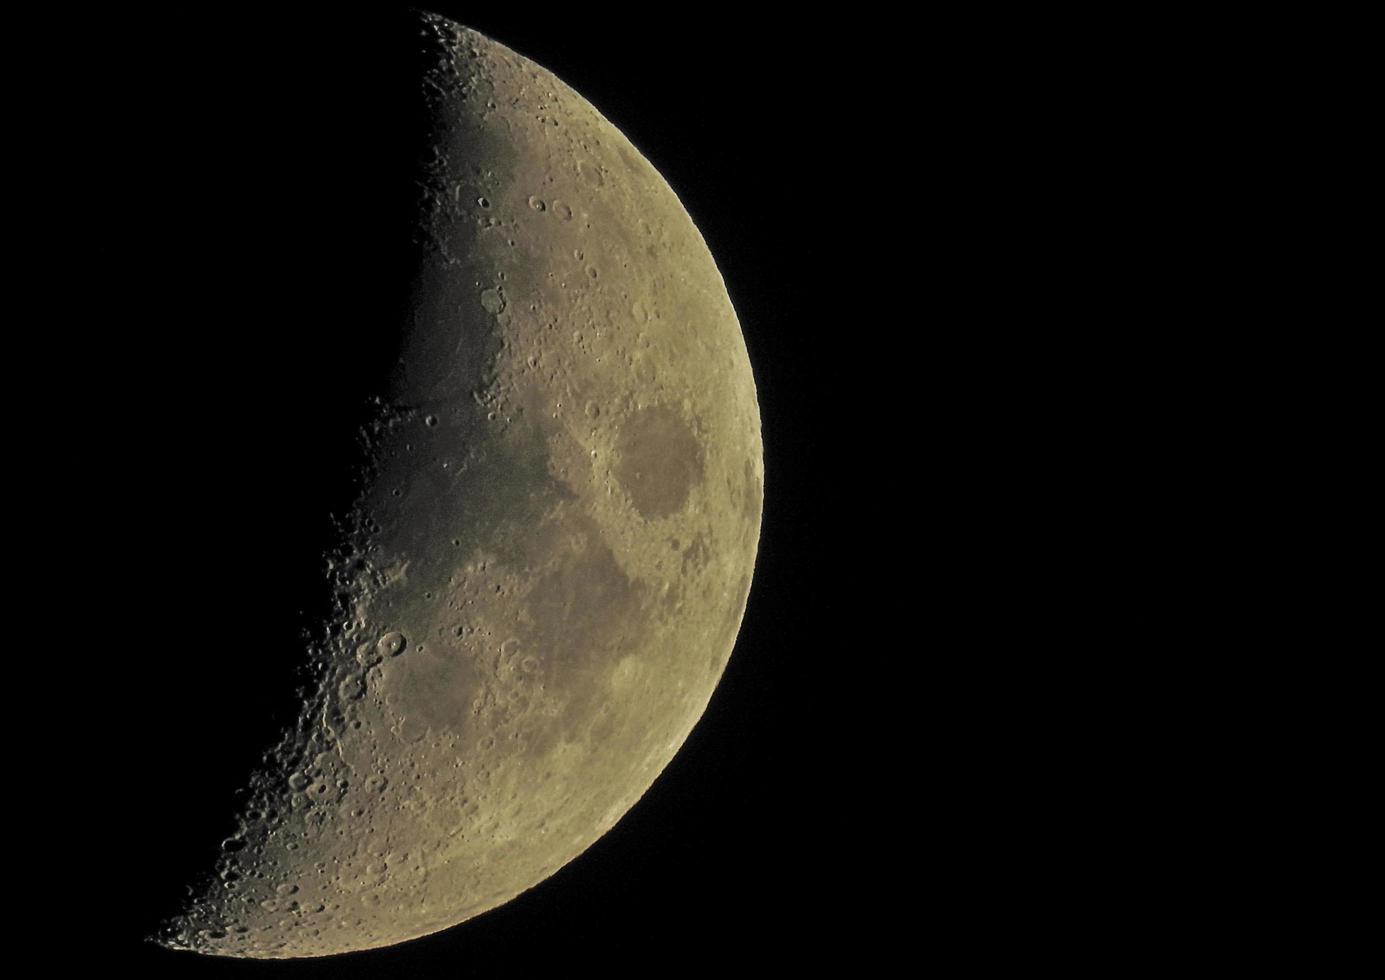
[{"x": 551, "y": 552}]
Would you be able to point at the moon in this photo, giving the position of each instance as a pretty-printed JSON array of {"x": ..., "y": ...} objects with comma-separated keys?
[{"x": 544, "y": 571}]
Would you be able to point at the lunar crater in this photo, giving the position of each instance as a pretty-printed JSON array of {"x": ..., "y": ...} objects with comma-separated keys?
[{"x": 542, "y": 576}]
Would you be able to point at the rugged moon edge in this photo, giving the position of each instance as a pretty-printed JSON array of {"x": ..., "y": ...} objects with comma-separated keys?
[{"x": 543, "y": 576}]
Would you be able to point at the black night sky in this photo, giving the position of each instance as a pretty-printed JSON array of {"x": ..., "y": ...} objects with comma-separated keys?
[{"x": 948, "y": 246}]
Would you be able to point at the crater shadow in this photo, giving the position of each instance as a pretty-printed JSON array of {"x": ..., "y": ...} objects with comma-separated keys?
[{"x": 264, "y": 253}]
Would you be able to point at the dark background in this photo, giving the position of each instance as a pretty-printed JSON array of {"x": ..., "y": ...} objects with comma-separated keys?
[
  {"x": 969, "y": 259},
  {"x": 251, "y": 187}
]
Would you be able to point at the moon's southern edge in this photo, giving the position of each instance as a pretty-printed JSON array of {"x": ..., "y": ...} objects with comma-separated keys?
[{"x": 544, "y": 574}]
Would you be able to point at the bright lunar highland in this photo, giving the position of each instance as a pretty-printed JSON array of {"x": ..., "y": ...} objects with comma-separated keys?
[{"x": 544, "y": 572}]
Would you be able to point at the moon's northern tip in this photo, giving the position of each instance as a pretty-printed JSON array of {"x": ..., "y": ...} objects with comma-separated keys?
[{"x": 542, "y": 578}]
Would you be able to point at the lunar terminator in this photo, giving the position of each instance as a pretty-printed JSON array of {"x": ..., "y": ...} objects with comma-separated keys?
[{"x": 542, "y": 578}]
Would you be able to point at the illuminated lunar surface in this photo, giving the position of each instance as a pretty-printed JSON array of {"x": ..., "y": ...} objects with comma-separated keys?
[{"x": 545, "y": 571}]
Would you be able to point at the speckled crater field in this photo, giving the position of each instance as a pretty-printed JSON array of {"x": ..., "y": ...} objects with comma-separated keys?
[{"x": 543, "y": 577}]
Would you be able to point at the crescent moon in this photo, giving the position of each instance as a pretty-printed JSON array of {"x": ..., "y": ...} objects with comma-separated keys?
[{"x": 542, "y": 578}]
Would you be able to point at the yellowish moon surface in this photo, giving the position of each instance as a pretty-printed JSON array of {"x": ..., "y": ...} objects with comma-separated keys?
[{"x": 543, "y": 576}]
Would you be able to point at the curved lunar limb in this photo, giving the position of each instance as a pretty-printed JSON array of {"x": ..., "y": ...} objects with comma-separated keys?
[{"x": 542, "y": 578}]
